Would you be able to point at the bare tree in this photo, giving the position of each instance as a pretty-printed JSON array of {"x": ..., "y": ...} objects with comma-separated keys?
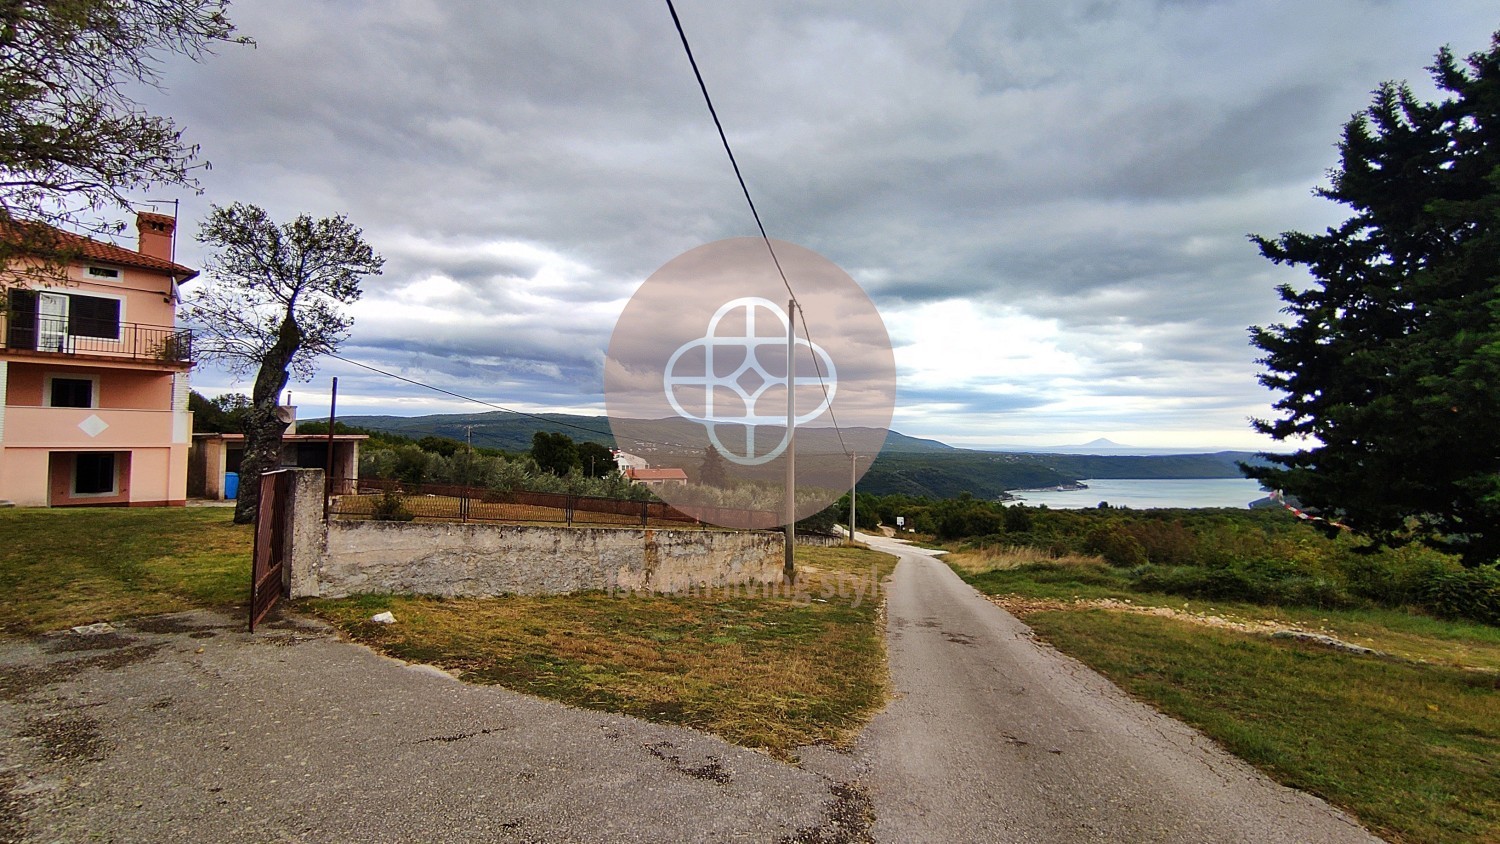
[
  {"x": 72, "y": 142},
  {"x": 272, "y": 305}
]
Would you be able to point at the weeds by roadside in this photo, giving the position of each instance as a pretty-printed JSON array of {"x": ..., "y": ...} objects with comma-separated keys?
[{"x": 772, "y": 672}]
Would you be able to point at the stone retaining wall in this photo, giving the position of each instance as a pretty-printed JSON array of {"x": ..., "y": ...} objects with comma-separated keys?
[{"x": 479, "y": 560}]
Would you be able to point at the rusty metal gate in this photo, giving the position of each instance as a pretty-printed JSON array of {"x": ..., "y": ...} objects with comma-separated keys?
[{"x": 267, "y": 572}]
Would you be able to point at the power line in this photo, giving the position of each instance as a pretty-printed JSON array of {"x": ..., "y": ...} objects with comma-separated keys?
[
  {"x": 702, "y": 86},
  {"x": 791, "y": 318},
  {"x": 535, "y": 416}
]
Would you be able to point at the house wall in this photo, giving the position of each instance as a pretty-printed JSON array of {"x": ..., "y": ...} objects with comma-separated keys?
[
  {"x": 66, "y": 428},
  {"x": 118, "y": 387},
  {"x": 25, "y": 477},
  {"x": 145, "y": 294},
  {"x": 158, "y": 476}
]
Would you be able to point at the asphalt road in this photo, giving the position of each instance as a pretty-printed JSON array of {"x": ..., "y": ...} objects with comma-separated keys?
[{"x": 993, "y": 737}]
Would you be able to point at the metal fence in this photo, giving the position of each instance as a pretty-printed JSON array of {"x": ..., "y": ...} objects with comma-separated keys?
[
  {"x": 389, "y": 500},
  {"x": 74, "y": 336}
]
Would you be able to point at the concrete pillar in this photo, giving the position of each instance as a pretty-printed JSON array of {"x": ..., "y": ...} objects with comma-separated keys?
[
  {"x": 213, "y": 466},
  {"x": 307, "y": 532}
]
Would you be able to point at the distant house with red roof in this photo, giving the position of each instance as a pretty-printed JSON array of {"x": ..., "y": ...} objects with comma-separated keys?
[{"x": 654, "y": 478}]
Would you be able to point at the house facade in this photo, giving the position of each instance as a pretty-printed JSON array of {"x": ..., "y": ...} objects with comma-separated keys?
[
  {"x": 657, "y": 478},
  {"x": 94, "y": 377}
]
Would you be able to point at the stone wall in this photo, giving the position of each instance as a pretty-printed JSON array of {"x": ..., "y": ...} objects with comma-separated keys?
[{"x": 475, "y": 560}]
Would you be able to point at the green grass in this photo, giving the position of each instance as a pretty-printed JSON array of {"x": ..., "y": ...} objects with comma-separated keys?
[
  {"x": 1412, "y": 750},
  {"x": 1408, "y": 635},
  {"x": 64, "y": 567},
  {"x": 1410, "y": 744},
  {"x": 768, "y": 672}
]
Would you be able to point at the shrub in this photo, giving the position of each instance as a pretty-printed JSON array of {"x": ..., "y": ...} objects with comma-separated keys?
[
  {"x": 391, "y": 507},
  {"x": 1472, "y": 594},
  {"x": 1017, "y": 519},
  {"x": 1115, "y": 545},
  {"x": 1169, "y": 543}
]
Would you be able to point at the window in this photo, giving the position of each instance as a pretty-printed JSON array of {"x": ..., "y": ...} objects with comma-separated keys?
[
  {"x": 94, "y": 316},
  {"x": 102, "y": 272},
  {"x": 44, "y": 321},
  {"x": 71, "y": 392},
  {"x": 93, "y": 473}
]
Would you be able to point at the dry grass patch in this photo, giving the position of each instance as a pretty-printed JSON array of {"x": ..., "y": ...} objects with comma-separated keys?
[
  {"x": 991, "y": 558},
  {"x": 772, "y": 672}
]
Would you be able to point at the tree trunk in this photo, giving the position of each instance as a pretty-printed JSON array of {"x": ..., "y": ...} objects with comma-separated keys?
[{"x": 263, "y": 428}]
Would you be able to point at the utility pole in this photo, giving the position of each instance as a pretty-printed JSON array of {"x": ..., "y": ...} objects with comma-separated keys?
[
  {"x": 469, "y": 456},
  {"x": 853, "y": 496},
  {"x": 333, "y": 400},
  {"x": 789, "y": 568}
]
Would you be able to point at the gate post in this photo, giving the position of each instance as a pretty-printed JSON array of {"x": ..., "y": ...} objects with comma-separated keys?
[{"x": 307, "y": 532}]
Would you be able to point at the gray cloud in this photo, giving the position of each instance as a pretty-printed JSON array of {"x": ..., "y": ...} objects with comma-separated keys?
[{"x": 1090, "y": 169}]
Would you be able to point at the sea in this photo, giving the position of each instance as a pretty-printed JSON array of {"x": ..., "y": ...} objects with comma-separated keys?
[{"x": 1141, "y": 494}]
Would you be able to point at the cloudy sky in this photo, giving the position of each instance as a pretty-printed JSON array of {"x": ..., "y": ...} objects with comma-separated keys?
[{"x": 1048, "y": 200}]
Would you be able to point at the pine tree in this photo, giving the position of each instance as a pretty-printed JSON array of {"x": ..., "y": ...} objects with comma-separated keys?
[
  {"x": 1390, "y": 363},
  {"x": 713, "y": 472}
]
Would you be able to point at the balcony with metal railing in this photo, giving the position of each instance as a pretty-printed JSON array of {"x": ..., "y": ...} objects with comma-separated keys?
[{"x": 47, "y": 335}]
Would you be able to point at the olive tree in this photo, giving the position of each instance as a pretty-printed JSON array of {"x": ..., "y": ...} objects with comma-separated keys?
[{"x": 272, "y": 303}]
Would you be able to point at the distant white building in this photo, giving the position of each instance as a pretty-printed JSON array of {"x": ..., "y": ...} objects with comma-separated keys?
[{"x": 626, "y": 462}]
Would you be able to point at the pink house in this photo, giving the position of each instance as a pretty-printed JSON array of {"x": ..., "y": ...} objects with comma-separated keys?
[{"x": 94, "y": 376}]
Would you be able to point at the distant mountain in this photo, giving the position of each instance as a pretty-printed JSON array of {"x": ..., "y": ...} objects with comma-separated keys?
[
  {"x": 909, "y": 465},
  {"x": 986, "y": 474},
  {"x": 491, "y": 429},
  {"x": 1101, "y": 446},
  {"x": 511, "y": 432}
]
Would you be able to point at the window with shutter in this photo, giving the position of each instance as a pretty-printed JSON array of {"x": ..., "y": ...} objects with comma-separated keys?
[{"x": 94, "y": 316}]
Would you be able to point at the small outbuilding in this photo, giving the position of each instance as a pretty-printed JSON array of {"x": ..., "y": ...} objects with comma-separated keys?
[{"x": 214, "y": 456}]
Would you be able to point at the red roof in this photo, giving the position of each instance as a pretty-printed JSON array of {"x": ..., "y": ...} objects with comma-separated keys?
[
  {"x": 656, "y": 474},
  {"x": 111, "y": 254},
  {"x": 153, "y": 217}
]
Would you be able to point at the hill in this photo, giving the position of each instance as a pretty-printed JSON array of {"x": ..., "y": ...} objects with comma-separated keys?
[
  {"x": 511, "y": 432},
  {"x": 909, "y": 465},
  {"x": 986, "y": 474}
]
